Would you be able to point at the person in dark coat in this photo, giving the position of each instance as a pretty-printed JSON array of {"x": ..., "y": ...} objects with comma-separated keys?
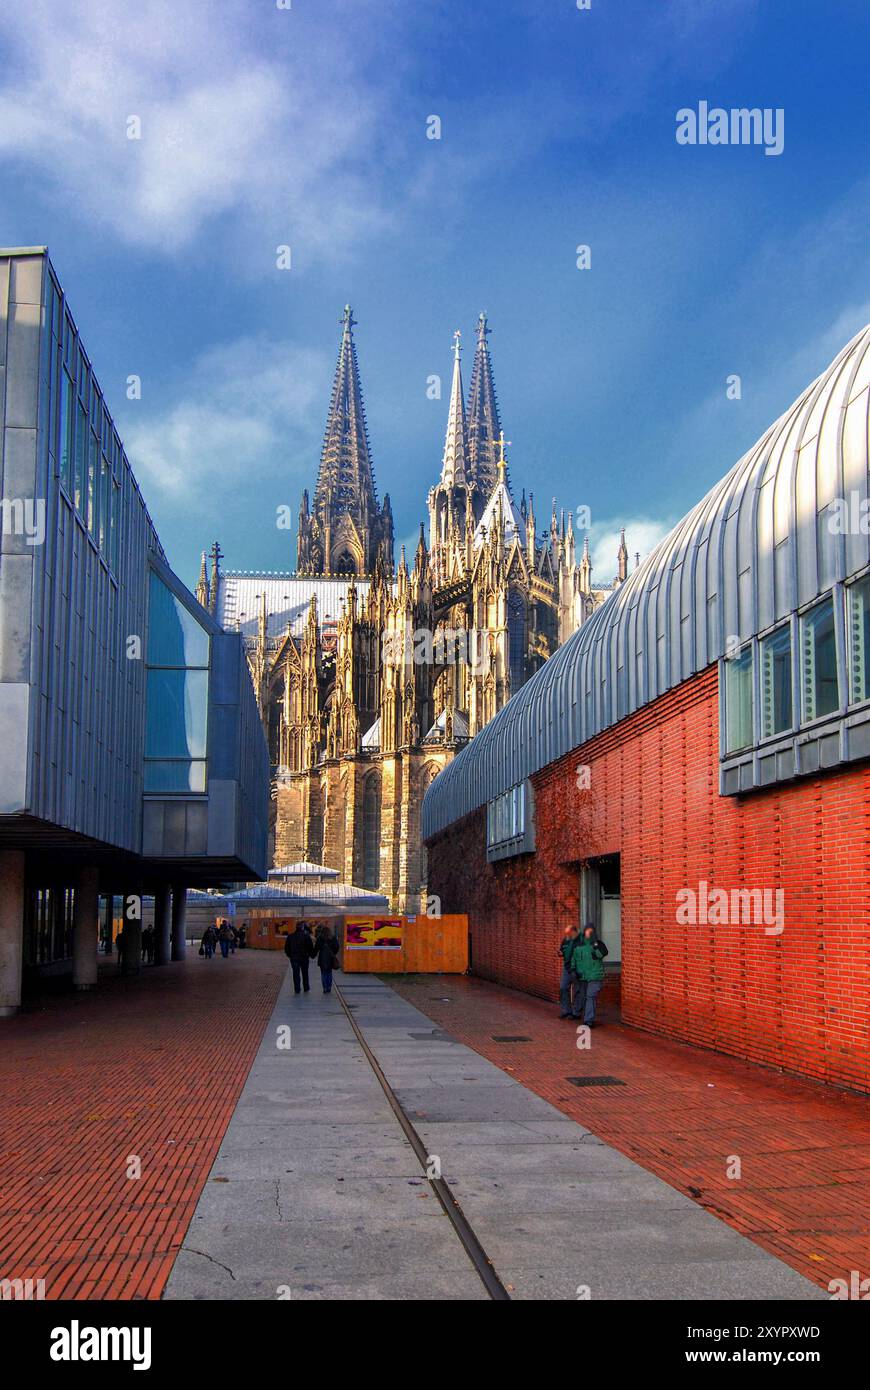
[
  {"x": 299, "y": 948},
  {"x": 209, "y": 941},
  {"x": 568, "y": 982},
  {"x": 326, "y": 947}
]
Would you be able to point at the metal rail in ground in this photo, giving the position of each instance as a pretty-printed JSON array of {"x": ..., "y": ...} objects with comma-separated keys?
[{"x": 465, "y": 1231}]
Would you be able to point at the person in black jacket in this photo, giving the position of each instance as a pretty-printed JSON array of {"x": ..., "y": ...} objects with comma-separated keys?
[
  {"x": 299, "y": 948},
  {"x": 326, "y": 947},
  {"x": 568, "y": 983}
]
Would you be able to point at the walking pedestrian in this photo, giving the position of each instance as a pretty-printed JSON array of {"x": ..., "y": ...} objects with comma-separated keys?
[
  {"x": 225, "y": 937},
  {"x": 209, "y": 941},
  {"x": 121, "y": 948},
  {"x": 587, "y": 960},
  {"x": 327, "y": 948},
  {"x": 299, "y": 948},
  {"x": 568, "y": 982}
]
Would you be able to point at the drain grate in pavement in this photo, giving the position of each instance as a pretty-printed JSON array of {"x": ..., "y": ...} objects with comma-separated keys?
[
  {"x": 436, "y": 1035},
  {"x": 595, "y": 1081},
  {"x": 509, "y": 1037}
]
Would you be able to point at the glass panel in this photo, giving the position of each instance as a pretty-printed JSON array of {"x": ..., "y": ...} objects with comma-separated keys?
[
  {"x": 821, "y": 694},
  {"x": 175, "y": 638},
  {"x": 859, "y": 640},
  {"x": 105, "y": 490},
  {"x": 114, "y": 524},
  {"x": 174, "y": 776},
  {"x": 93, "y": 483},
  {"x": 81, "y": 460},
  {"x": 776, "y": 682},
  {"x": 67, "y": 430},
  {"x": 738, "y": 701},
  {"x": 176, "y": 714}
]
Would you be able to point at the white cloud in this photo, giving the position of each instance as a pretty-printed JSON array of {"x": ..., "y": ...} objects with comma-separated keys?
[
  {"x": 275, "y": 120},
  {"x": 642, "y": 534},
  {"x": 249, "y": 414}
]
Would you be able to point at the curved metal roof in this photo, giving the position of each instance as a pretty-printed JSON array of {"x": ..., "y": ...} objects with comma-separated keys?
[
  {"x": 332, "y": 895},
  {"x": 304, "y": 868},
  {"x": 756, "y": 548}
]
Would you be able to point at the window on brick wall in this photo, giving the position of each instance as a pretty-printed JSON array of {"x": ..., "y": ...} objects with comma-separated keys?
[
  {"x": 510, "y": 822},
  {"x": 819, "y": 685},
  {"x": 738, "y": 701},
  {"x": 776, "y": 701},
  {"x": 859, "y": 640}
]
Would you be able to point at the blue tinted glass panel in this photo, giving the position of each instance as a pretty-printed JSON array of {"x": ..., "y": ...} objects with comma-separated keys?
[
  {"x": 93, "y": 482},
  {"x": 177, "y": 713},
  {"x": 114, "y": 524},
  {"x": 81, "y": 461},
  {"x": 105, "y": 490},
  {"x": 174, "y": 776},
  {"x": 67, "y": 429},
  {"x": 175, "y": 638}
]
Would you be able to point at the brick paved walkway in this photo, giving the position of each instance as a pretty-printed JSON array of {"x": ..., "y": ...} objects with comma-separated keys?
[
  {"x": 149, "y": 1067},
  {"x": 804, "y": 1189}
]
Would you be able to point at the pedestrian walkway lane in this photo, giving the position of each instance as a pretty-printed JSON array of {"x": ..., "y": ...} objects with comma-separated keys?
[{"x": 316, "y": 1193}]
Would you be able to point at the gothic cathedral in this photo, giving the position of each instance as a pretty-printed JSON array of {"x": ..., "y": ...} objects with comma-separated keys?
[{"x": 370, "y": 676}]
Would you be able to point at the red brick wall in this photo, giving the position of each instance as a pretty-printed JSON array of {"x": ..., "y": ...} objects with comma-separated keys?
[{"x": 799, "y": 1000}]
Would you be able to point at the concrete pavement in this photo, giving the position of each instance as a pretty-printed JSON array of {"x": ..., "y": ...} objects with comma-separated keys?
[{"x": 316, "y": 1193}]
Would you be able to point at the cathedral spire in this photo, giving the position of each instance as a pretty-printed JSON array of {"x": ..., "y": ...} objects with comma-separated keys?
[
  {"x": 346, "y": 526},
  {"x": 216, "y": 556},
  {"x": 484, "y": 426},
  {"x": 454, "y": 465},
  {"x": 622, "y": 558},
  {"x": 202, "y": 584}
]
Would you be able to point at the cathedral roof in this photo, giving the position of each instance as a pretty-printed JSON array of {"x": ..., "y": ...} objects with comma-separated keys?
[
  {"x": 460, "y": 725},
  {"x": 240, "y": 597},
  {"x": 372, "y": 737},
  {"x": 513, "y": 522}
]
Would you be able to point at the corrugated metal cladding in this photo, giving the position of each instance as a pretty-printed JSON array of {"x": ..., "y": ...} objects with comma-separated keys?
[
  {"x": 240, "y": 599},
  {"x": 754, "y": 550}
]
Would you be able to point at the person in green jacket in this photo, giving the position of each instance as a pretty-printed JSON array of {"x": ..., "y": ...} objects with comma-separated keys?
[{"x": 587, "y": 962}]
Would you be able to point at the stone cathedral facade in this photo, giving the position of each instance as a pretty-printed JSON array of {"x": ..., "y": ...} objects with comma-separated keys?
[{"x": 371, "y": 674}]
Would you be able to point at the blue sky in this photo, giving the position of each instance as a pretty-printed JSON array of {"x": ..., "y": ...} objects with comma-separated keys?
[{"x": 307, "y": 127}]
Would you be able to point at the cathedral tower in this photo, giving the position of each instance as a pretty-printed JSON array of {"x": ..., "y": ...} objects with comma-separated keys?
[{"x": 345, "y": 528}]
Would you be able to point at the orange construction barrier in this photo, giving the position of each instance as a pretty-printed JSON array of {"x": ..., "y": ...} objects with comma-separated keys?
[{"x": 405, "y": 945}]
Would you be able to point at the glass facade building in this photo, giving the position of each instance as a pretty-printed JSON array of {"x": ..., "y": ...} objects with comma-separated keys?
[{"x": 129, "y": 735}]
